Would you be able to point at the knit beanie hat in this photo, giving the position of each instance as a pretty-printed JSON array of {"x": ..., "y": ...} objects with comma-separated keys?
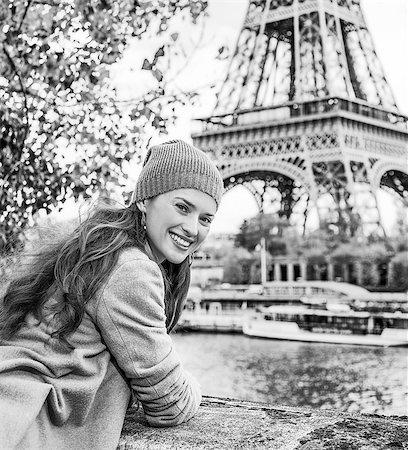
[{"x": 177, "y": 165}]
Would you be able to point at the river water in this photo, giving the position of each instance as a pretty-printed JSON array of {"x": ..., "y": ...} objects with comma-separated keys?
[{"x": 344, "y": 377}]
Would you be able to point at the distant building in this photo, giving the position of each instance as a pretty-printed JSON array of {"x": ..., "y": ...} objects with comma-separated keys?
[{"x": 208, "y": 268}]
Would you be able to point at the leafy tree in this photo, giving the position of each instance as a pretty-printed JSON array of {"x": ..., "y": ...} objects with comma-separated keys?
[
  {"x": 267, "y": 226},
  {"x": 372, "y": 256},
  {"x": 399, "y": 279},
  {"x": 346, "y": 253},
  {"x": 63, "y": 131},
  {"x": 237, "y": 266},
  {"x": 399, "y": 240}
]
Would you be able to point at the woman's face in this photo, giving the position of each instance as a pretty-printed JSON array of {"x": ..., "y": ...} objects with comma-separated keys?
[{"x": 177, "y": 222}]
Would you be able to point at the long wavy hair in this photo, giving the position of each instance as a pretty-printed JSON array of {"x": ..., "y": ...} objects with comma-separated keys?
[{"x": 78, "y": 267}]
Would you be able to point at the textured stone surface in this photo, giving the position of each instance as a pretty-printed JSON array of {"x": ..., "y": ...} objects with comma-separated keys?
[{"x": 232, "y": 424}]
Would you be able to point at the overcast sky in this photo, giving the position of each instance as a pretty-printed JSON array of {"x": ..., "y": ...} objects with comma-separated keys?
[{"x": 387, "y": 21}]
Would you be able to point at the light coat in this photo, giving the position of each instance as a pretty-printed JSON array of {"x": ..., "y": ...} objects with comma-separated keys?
[{"x": 52, "y": 398}]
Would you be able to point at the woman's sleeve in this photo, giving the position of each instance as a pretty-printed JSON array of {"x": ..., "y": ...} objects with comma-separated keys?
[{"x": 132, "y": 322}]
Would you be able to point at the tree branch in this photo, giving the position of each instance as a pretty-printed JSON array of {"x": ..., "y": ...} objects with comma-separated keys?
[
  {"x": 20, "y": 81},
  {"x": 46, "y": 2},
  {"x": 24, "y": 15},
  {"x": 18, "y": 163}
]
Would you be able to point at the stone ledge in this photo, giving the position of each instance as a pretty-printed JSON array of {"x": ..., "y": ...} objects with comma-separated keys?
[{"x": 233, "y": 424}]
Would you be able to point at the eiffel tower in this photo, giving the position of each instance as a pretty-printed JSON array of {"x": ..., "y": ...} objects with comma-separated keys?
[{"x": 305, "y": 118}]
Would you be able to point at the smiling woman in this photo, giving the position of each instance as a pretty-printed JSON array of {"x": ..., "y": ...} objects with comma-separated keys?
[{"x": 86, "y": 329}]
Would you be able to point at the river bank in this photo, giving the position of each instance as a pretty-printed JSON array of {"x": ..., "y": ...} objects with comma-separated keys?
[{"x": 229, "y": 424}]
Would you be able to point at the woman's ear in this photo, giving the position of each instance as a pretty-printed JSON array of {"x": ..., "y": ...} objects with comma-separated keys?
[{"x": 141, "y": 206}]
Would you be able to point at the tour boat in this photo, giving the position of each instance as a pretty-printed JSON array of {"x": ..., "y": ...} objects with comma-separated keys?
[{"x": 338, "y": 325}]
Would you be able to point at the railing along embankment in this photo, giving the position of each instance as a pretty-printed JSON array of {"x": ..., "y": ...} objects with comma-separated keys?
[{"x": 232, "y": 424}]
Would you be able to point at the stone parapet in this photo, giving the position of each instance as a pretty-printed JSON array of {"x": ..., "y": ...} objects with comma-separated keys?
[{"x": 233, "y": 424}]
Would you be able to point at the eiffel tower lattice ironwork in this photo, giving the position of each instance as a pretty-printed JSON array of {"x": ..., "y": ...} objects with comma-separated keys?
[{"x": 305, "y": 118}]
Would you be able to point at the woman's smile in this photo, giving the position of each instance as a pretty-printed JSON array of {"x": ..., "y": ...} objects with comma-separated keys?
[{"x": 180, "y": 242}]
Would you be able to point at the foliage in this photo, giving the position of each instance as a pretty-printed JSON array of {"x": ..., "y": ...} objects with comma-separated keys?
[
  {"x": 399, "y": 278},
  {"x": 399, "y": 241},
  {"x": 63, "y": 131},
  {"x": 269, "y": 226},
  {"x": 237, "y": 266},
  {"x": 376, "y": 252},
  {"x": 346, "y": 253},
  {"x": 318, "y": 242},
  {"x": 342, "y": 226}
]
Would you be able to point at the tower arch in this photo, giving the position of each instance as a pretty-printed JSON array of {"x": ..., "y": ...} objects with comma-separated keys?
[
  {"x": 264, "y": 164},
  {"x": 392, "y": 176}
]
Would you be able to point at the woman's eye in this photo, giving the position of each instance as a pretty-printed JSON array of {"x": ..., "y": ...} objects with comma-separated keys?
[
  {"x": 182, "y": 207},
  {"x": 206, "y": 220}
]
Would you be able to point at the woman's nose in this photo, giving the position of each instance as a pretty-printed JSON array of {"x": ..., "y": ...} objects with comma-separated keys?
[{"x": 190, "y": 226}]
